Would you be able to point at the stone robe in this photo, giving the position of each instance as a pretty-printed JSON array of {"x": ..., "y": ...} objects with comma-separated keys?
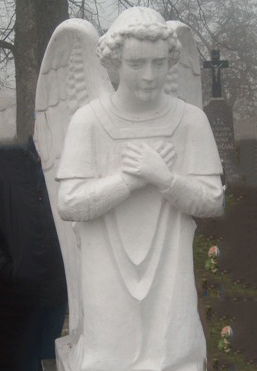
[{"x": 138, "y": 289}]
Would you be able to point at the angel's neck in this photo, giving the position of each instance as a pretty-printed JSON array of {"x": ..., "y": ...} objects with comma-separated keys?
[{"x": 132, "y": 106}]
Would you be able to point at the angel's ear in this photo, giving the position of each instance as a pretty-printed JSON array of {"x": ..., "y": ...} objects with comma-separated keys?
[
  {"x": 114, "y": 76},
  {"x": 175, "y": 54},
  {"x": 113, "y": 69}
]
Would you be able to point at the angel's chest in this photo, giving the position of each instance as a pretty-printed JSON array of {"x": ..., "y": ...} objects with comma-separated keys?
[{"x": 108, "y": 151}]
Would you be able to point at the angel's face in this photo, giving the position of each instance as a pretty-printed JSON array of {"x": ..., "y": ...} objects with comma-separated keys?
[{"x": 144, "y": 68}]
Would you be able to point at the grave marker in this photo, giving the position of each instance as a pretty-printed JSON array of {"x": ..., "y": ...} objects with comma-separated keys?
[
  {"x": 220, "y": 116},
  {"x": 216, "y": 65},
  {"x": 248, "y": 161}
]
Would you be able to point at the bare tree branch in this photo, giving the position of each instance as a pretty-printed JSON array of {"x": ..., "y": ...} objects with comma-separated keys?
[
  {"x": 9, "y": 32},
  {"x": 126, "y": 3},
  {"x": 6, "y": 45},
  {"x": 8, "y": 28}
]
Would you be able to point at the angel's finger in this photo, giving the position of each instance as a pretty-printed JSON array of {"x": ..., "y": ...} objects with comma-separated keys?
[
  {"x": 169, "y": 164},
  {"x": 168, "y": 148},
  {"x": 134, "y": 147},
  {"x": 170, "y": 156},
  {"x": 129, "y": 170},
  {"x": 130, "y": 154},
  {"x": 130, "y": 162},
  {"x": 159, "y": 146}
]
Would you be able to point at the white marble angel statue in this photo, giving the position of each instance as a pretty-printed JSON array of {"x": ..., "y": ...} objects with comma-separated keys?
[{"x": 136, "y": 165}]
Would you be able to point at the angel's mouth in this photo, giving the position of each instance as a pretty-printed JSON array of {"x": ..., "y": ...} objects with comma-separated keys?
[{"x": 149, "y": 90}]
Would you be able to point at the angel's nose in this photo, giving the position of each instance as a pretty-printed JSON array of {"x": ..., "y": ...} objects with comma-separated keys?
[{"x": 148, "y": 73}]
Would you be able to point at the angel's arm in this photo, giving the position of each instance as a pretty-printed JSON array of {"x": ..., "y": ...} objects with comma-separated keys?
[
  {"x": 195, "y": 195},
  {"x": 83, "y": 200}
]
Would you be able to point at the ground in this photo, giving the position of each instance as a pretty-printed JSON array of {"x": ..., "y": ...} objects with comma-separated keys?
[{"x": 229, "y": 296}]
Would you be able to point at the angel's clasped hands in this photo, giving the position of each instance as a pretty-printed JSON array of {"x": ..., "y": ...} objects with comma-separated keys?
[{"x": 142, "y": 164}]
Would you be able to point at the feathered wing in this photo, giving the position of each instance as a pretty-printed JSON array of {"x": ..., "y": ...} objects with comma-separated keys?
[
  {"x": 70, "y": 76},
  {"x": 184, "y": 79}
]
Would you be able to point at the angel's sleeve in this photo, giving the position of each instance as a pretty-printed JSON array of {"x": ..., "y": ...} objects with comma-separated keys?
[
  {"x": 196, "y": 195},
  {"x": 198, "y": 190},
  {"x": 83, "y": 195}
]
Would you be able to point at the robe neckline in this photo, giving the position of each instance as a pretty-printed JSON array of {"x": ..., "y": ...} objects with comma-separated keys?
[{"x": 119, "y": 126}]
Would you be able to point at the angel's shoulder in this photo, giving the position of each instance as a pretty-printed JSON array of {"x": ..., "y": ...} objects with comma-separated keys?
[
  {"x": 194, "y": 117},
  {"x": 84, "y": 117}
]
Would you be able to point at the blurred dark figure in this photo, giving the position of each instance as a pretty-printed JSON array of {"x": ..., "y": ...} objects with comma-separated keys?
[{"x": 33, "y": 294}]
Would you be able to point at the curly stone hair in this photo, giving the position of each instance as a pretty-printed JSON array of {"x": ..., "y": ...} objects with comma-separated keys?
[{"x": 110, "y": 45}]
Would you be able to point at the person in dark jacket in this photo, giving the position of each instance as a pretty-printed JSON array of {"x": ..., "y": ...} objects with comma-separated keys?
[{"x": 33, "y": 293}]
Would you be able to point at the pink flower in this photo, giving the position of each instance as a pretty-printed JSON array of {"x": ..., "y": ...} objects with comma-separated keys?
[
  {"x": 213, "y": 251},
  {"x": 226, "y": 331}
]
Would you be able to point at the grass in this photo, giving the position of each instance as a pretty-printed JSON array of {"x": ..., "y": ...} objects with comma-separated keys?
[
  {"x": 216, "y": 325},
  {"x": 233, "y": 289}
]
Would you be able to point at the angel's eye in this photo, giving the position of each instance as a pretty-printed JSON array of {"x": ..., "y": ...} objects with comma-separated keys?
[
  {"x": 135, "y": 63},
  {"x": 160, "y": 62}
]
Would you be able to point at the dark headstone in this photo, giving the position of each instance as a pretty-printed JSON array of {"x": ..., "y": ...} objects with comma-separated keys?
[
  {"x": 248, "y": 161},
  {"x": 221, "y": 119}
]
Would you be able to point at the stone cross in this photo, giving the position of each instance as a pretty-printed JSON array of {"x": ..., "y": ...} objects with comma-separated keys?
[{"x": 215, "y": 65}]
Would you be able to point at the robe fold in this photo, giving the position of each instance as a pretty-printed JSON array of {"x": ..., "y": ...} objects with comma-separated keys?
[{"x": 138, "y": 290}]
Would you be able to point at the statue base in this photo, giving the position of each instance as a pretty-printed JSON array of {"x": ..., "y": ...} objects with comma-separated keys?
[
  {"x": 63, "y": 346},
  {"x": 62, "y": 349}
]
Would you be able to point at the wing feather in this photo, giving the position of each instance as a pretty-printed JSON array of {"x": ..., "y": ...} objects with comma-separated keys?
[
  {"x": 70, "y": 72},
  {"x": 62, "y": 83},
  {"x": 185, "y": 78},
  {"x": 51, "y": 79},
  {"x": 70, "y": 77}
]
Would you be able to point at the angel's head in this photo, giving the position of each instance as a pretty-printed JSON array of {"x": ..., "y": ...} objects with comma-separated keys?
[{"x": 141, "y": 24}]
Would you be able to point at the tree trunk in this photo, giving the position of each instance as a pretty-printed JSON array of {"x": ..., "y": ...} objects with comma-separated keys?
[{"x": 35, "y": 23}]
